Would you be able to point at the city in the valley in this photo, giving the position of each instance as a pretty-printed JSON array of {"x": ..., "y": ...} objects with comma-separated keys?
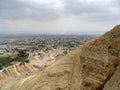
[{"x": 27, "y": 49}]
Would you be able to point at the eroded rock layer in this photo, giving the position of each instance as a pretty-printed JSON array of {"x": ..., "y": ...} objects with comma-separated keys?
[
  {"x": 37, "y": 61},
  {"x": 94, "y": 66}
]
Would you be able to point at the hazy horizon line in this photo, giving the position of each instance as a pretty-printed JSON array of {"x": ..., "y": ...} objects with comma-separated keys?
[{"x": 5, "y": 34}]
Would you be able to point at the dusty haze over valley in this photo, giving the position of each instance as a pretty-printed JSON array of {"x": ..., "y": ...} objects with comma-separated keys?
[{"x": 59, "y": 45}]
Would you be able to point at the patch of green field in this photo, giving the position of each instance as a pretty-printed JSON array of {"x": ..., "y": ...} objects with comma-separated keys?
[
  {"x": 21, "y": 57},
  {"x": 6, "y": 61}
]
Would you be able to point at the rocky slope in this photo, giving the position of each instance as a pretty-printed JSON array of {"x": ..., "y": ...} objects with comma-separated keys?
[
  {"x": 94, "y": 66},
  {"x": 37, "y": 61}
]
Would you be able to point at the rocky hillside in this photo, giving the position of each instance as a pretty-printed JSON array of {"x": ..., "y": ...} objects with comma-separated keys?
[
  {"x": 37, "y": 61},
  {"x": 94, "y": 66}
]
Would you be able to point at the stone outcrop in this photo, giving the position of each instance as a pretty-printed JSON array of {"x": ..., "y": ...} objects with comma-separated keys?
[
  {"x": 114, "y": 81},
  {"x": 94, "y": 66}
]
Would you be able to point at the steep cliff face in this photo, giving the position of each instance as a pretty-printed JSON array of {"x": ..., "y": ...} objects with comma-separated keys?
[
  {"x": 114, "y": 82},
  {"x": 94, "y": 66}
]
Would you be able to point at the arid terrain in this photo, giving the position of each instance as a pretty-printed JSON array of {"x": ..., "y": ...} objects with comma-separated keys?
[{"x": 93, "y": 66}]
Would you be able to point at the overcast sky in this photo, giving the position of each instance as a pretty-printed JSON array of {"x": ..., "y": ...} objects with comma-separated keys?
[{"x": 58, "y": 16}]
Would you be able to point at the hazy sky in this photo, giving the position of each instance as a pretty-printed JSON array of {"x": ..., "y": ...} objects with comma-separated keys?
[{"x": 58, "y": 16}]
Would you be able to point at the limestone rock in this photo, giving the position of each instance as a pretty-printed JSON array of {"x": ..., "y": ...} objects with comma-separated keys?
[{"x": 94, "y": 66}]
